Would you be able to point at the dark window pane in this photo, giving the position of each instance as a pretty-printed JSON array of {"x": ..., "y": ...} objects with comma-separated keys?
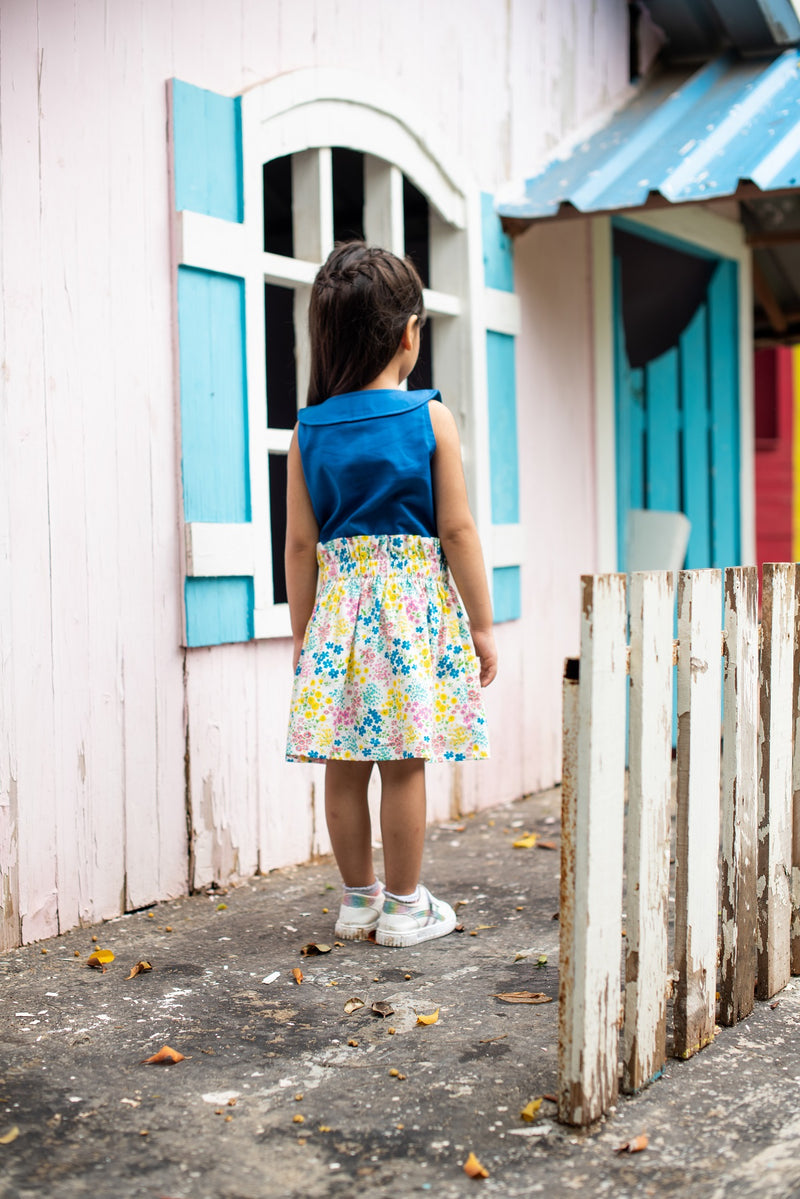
[
  {"x": 278, "y": 238},
  {"x": 417, "y": 231},
  {"x": 277, "y": 521},
  {"x": 422, "y": 374},
  {"x": 281, "y": 369},
  {"x": 348, "y": 194}
]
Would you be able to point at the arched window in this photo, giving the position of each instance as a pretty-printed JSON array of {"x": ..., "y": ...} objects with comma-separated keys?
[{"x": 264, "y": 184}]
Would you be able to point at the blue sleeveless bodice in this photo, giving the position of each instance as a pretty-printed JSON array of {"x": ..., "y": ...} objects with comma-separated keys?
[{"x": 367, "y": 463}]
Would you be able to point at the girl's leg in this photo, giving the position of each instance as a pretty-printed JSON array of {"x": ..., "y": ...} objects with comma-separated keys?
[
  {"x": 402, "y": 822},
  {"x": 347, "y": 814}
]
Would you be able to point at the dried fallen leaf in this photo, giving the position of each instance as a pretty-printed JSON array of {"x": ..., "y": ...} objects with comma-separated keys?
[
  {"x": 526, "y": 841},
  {"x": 542, "y": 959},
  {"x": 524, "y": 997},
  {"x": 474, "y": 1169},
  {"x": 774, "y": 1004},
  {"x": 547, "y": 845},
  {"x": 164, "y": 1057},
  {"x": 635, "y": 1146},
  {"x": 382, "y": 1009},
  {"x": 432, "y": 1019},
  {"x": 353, "y": 1005},
  {"x": 530, "y": 1111},
  {"x": 9, "y": 1136},
  {"x": 100, "y": 959},
  {"x": 312, "y": 948},
  {"x": 139, "y": 968},
  {"x": 297, "y": 975}
]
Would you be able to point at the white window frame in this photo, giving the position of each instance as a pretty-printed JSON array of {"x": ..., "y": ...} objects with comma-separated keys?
[{"x": 304, "y": 114}]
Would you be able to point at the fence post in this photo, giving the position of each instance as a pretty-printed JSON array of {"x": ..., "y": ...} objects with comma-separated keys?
[
  {"x": 775, "y": 778},
  {"x": 739, "y": 795},
  {"x": 795, "y": 941},
  {"x": 699, "y": 698},
  {"x": 648, "y": 837},
  {"x": 589, "y": 1030}
]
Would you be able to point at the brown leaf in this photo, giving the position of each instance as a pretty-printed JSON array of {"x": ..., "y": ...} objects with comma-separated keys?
[
  {"x": 9, "y": 1136},
  {"x": 312, "y": 948},
  {"x": 774, "y": 1004},
  {"x": 474, "y": 1169},
  {"x": 353, "y": 1005},
  {"x": 164, "y": 1057},
  {"x": 524, "y": 997},
  {"x": 139, "y": 968},
  {"x": 382, "y": 1009},
  {"x": 635, "y": 1146},
  {"x": 432, "y": 1019},
  {"x": 547, "y": 845},
  {"x": 297, "y": 975}
]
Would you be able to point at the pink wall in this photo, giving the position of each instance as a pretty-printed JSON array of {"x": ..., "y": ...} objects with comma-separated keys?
[{"x": 774, "y": 396}]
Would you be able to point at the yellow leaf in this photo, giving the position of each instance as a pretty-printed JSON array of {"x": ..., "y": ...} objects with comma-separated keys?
[
  {"x": 139, "y": 968},
  {"x": 526, "y": 841},
  {"x": 298, "y": 1119},
  {"x": 434, "y": 1016},
  {"x": 164, "y": 1057},
  {"x": 474, "y": 1169},
  {"x": 100, "y": 958},
  {"x": 530, "y": 1111},
  {"x": 324, "y": 1128},
  {"x": 9, "y": 1136}
]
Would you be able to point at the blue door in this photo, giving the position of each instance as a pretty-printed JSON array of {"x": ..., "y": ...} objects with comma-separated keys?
[{"x": 677, "y": 413}]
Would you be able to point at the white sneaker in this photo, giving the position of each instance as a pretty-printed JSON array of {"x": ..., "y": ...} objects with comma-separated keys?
[
  {"x": 358, "y": 915},
  {"x": 402, "y": 924}
]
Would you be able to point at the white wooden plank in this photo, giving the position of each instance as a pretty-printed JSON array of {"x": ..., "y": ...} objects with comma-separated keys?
[
  {"x": 27, "y": 656},
  {"x": 211, "y": 244},
  {"x": 383, "y": 205},
  {"x": 288, "y": 272},
  {"x": 312, "y": 207},
  {"x": 502, "y": 311},
  {"x": 739, "y": 795},
  {"x": 605, "y": 474},
  {"x": 648, "y": 835},
  {"x": 795, "y": 933},
  {"x": 508, "y": 545},
  {"x": 439, "y": 303},
  {"x": 775, "y": 778},
  {"x": 588, "y": 1082},
  {"x": 213, "y": 550},
  {"x": 699, "y": 698},
  {"x": 568, "y": 1020}
]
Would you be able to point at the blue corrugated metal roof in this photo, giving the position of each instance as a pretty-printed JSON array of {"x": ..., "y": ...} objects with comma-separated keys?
[{"x": 687, "y": 136}]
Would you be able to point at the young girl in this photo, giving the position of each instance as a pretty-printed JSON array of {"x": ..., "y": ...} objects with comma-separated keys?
[{"x": 385, "y": 664}]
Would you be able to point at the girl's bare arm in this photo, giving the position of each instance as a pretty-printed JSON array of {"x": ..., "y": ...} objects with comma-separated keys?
[
  {"x": 302, "y": 533},
  {"x": 459, "y": 538}
]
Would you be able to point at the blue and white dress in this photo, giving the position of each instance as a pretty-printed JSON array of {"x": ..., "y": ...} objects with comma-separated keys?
[{"x": 387, "y": 669}]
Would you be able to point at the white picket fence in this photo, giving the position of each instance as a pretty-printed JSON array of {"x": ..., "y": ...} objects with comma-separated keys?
[{"x": 736, "y": 908}]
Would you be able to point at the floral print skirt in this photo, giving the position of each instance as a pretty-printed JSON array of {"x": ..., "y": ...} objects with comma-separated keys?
[{"x": 387, "y": 669}]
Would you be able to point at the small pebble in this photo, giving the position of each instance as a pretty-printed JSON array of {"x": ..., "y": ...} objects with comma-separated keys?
[
  {"x": 299, "y": 1096},
  {"x": 298, "y": 1119}
]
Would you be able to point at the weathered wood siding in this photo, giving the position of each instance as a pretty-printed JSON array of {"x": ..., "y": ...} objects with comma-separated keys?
[{"x": 108, "y": 730}]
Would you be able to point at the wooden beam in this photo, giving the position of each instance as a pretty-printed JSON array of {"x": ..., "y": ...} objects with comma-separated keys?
[
  {"x": 764, "y": 239},
  {"x": 766, "y": 298}
]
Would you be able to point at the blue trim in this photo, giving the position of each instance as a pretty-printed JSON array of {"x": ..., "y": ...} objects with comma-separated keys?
[
  {"x": 723, "y": 340},
  {"x": 213, "y": 388},
  {"x": 207, "y": 138},
  {"x": 663, "y": 433},
  {"x": 506, "y": 593},
  {"x": 498, "y": 257},
  {"x": 696, "y": 448},
  {"x": 218, "y": 610},
  {"x": 503, "y": 455}
]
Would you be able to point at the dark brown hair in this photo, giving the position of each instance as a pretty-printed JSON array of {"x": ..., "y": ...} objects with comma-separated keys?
[{"x": 361, "y": 301}]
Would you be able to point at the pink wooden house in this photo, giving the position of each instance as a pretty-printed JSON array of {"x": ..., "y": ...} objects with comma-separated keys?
[{"x": 169, "y": 185}]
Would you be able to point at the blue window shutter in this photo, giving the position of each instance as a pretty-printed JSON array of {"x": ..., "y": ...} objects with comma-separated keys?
[
  {"x": 498, "y": 269},
  {"x": 207, "y": 168}
]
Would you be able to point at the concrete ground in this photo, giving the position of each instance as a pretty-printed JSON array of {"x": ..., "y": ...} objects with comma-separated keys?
[{"x": 283, "y": 1093}]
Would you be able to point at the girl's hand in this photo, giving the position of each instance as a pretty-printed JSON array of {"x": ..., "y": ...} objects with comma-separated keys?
[{"x": 483, "y": 640}]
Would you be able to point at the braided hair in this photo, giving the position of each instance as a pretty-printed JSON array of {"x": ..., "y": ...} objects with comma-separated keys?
[{"x": 361, "y": 301}]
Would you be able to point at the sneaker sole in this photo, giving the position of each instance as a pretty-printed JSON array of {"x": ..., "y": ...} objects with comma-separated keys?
[
  {"x": 415, "y": 936},
  {"x": 354, "y": 932}
]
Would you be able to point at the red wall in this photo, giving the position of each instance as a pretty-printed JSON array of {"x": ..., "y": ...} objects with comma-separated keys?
[{"x": 774, "y": 492}]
